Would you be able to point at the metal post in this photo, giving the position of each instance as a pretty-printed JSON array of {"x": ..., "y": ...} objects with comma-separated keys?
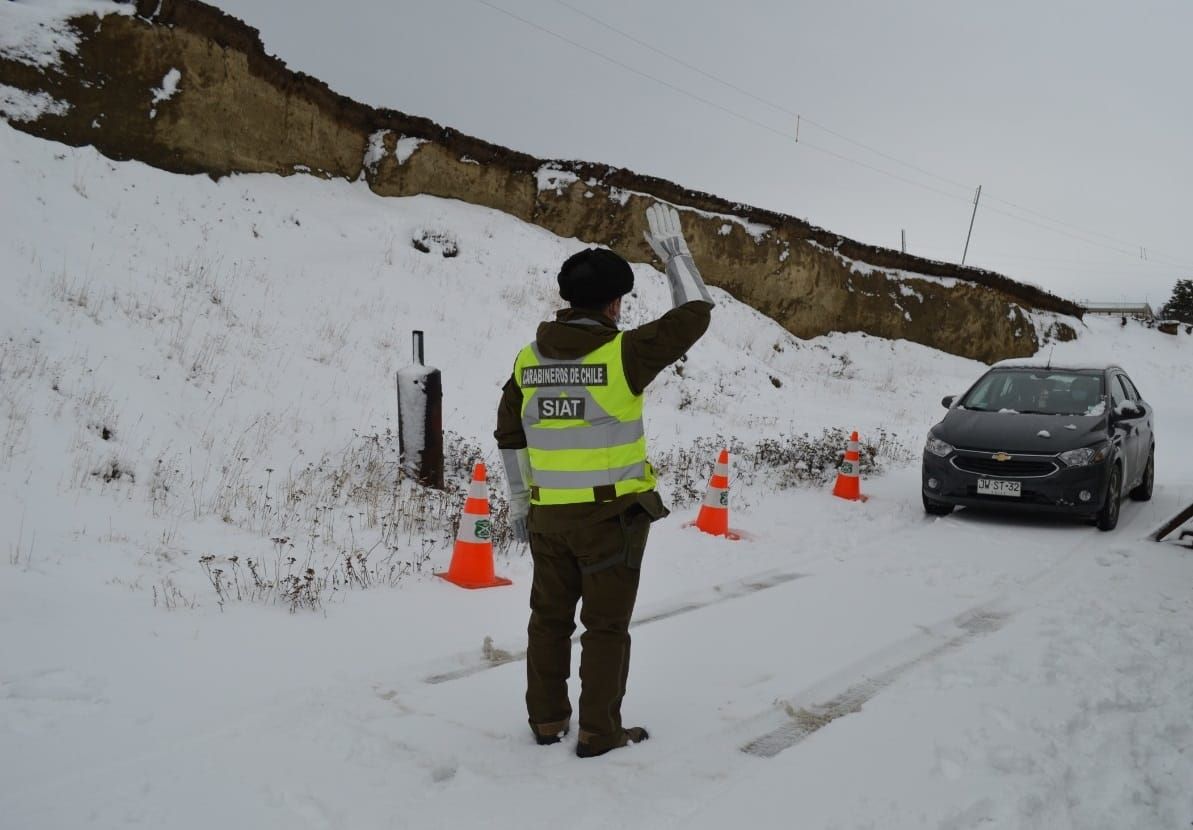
[
  {"x": 904, "y": 234},
  {"x": 431, "y": 468},
  {"x": 420, "y": 418},
  {"x": 976, "y": 197}
]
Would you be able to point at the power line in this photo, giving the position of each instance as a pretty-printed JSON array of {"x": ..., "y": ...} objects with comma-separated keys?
[
  {"x": 841, "y": 136},
  {"x": 733, "y": 113},
  {"x": 1061, "y": 232},
  {"x": 1058, "y": 264},
  {"x": 803, "y": 143},
  {"x": 753, "y": 96},
  {"x": 1130, "y": 250},
  {"x": 680, "y": 61},
  {"x": 804, "y": 118}
]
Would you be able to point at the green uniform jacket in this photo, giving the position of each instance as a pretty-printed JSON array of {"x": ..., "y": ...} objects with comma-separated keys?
[{"x": 645, "y": 351}]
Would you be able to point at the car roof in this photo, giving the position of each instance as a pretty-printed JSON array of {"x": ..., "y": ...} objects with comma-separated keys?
[{"x": 1037, "y": 363}]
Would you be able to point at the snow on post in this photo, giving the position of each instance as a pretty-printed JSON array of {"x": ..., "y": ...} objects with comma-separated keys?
[{"x": 420, "y": 419}]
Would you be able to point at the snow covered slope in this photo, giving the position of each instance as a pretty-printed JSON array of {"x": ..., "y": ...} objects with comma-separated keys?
[
  {"x": 187, "y": 349},
  {"x": 194, "y": 374}
]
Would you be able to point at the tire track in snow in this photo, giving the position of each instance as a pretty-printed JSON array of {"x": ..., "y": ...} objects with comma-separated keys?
[
  {"x": 805, "y": 720},
  {"x": 884, "y": 667},
  {"x": 718, "y": 593},
  {"x": 707, "y": 597}
]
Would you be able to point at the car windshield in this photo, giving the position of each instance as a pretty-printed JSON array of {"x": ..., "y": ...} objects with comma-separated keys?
[{"x": 1038, "y": 391}]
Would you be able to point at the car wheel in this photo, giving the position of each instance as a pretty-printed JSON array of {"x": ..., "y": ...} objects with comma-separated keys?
[
  {"x": 1108, "y": 516},
  {"x": 936, "y": 508},
  {"x": 1144, "y": 491}
]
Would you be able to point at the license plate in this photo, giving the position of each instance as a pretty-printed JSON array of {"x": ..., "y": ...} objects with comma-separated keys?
[{"x": 998, "y": 487}]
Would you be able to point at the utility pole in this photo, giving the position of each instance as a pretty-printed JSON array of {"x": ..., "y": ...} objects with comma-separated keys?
[
  {"x": 976, "y": 197},
  {"x": 904, "y": 233}
]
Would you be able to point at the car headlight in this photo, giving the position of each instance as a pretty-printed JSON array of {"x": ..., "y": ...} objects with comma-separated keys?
[
  {"x": 937, "y": 447},
  {"x": 1085, "y": 456}
]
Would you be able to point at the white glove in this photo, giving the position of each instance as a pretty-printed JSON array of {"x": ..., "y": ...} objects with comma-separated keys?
[
  {"x": 666, "y": 234},
  {"x": 521, "y": 534},
  {"x": 517, "y": 473},
  {"x": 666, "y": 240}
]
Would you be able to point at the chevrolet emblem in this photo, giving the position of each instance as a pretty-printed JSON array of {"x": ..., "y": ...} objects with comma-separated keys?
[{"x": 1001, "y": 456}]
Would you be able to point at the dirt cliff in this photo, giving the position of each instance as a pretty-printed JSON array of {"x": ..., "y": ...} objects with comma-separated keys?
[{"x": 237, "y": 109}]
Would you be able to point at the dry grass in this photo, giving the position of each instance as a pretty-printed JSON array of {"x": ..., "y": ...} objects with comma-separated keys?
[{"x": 778, "y": 463}]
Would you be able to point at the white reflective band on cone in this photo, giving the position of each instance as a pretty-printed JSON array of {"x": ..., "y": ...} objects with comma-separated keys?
[
  {"x": 721, "y": 470},
  {"x": 717, "y": 497},
  {"x": 478, "y": 490},
  {"x": 852, "y": 446},
  {"x": 474, "y": 528}
]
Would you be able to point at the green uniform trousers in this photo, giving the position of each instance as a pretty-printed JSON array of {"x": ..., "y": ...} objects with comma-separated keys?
[{"x": 597, "y": 565}]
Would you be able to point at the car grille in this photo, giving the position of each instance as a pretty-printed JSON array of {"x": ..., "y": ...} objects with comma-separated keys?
[{"x": 1015, "y": 468}]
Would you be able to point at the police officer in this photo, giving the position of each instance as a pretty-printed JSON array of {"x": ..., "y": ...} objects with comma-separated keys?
[{"x": 582, "y": 492}]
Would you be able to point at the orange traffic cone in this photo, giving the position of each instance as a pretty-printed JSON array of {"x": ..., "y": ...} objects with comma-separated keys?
[
  {"x": 472, "y": 558},
  {"x": 714, "y": 512},
  {"x": 848, "y": 484}
]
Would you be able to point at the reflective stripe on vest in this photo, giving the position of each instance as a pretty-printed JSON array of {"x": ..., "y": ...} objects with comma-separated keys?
[{"x": 583, "y": 425}]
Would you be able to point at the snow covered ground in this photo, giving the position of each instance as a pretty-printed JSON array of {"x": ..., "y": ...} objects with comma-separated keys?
[{"x": 193, "y": 369}]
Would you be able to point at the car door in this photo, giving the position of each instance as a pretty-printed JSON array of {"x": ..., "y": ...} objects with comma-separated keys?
[
  {"x": 1145, "y": 425},
  {"x": 1126, "y": 426}
]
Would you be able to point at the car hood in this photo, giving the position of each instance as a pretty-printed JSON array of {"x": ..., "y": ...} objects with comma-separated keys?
[{"x": 1017, "y": 432}]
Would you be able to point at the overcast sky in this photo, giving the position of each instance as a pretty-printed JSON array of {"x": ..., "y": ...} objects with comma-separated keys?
[{"x": 1075, "y": 117}]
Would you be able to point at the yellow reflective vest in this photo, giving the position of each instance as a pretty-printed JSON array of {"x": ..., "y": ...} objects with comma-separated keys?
[{"x": 583, "y": 426}]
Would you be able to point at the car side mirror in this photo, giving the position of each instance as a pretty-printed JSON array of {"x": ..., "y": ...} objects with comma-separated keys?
[
  {"x": 947, "y": 401},
  {"x": 1128, "y": 411}
]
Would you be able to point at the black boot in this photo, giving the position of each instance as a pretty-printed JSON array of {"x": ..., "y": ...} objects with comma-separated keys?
[
  {"x": 633, "y": 735},
  {"x": 546, "y": 734}
]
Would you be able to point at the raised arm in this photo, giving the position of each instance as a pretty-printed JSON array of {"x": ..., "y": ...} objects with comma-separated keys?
[{"x": 649, "y": 349}]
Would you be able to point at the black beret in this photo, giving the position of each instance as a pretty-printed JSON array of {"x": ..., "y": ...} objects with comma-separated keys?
[{"x": 595, "y": 278}]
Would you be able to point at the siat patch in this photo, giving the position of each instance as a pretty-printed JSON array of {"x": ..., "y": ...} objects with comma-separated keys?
[{"x": 561, "y": 409}]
